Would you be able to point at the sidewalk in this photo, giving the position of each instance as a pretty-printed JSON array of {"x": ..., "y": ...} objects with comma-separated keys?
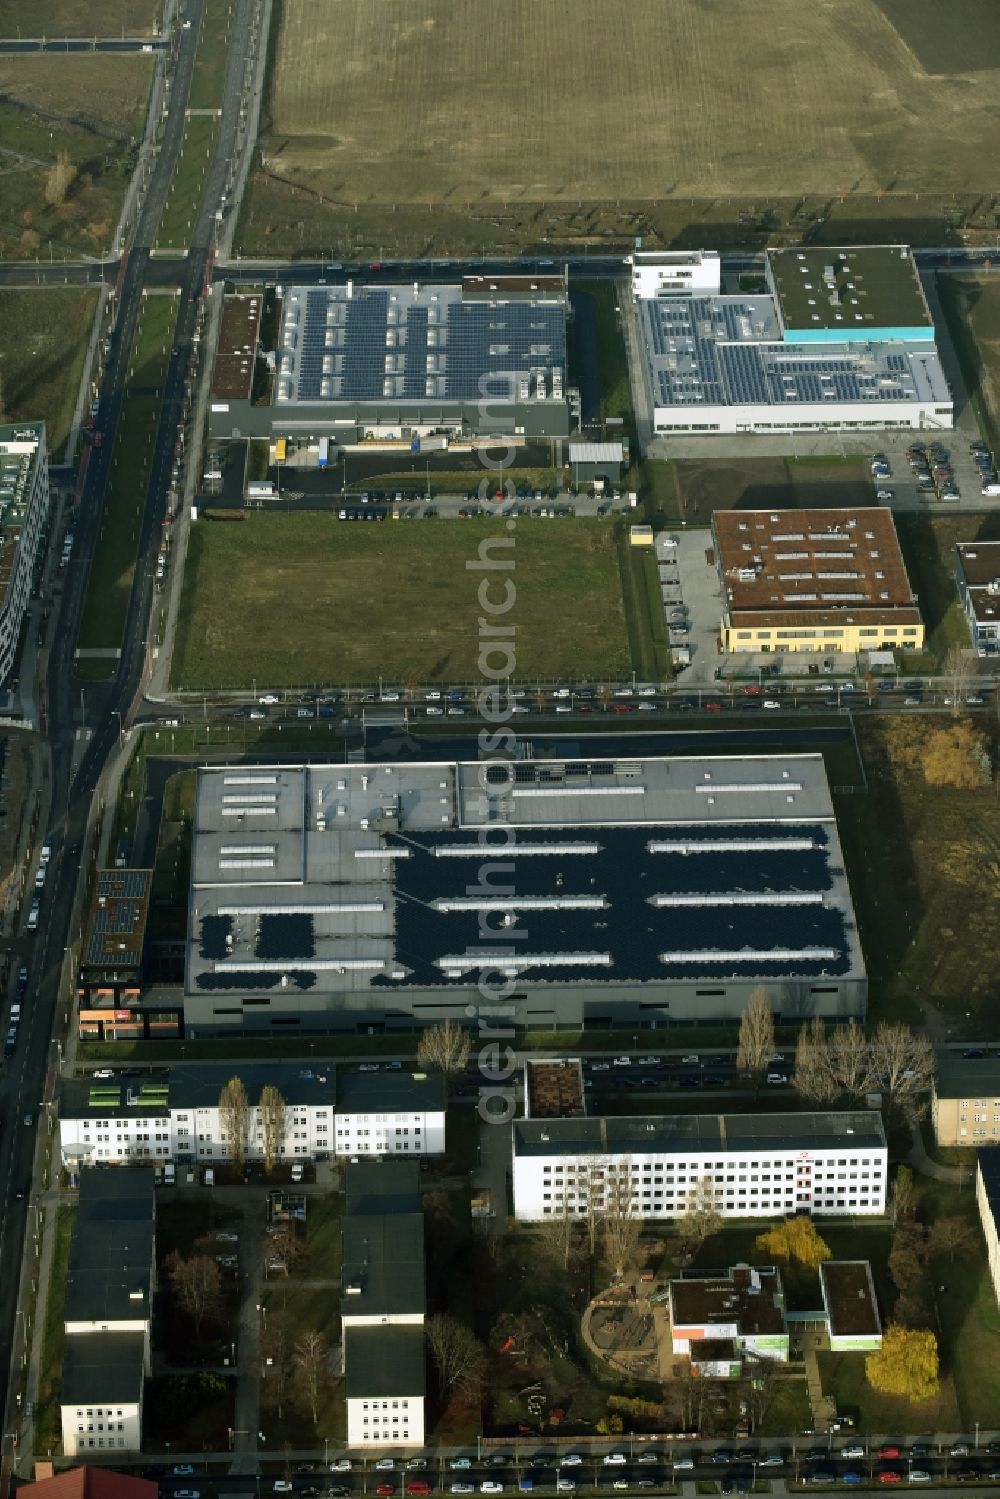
[{"x": 918, "y": 1158}]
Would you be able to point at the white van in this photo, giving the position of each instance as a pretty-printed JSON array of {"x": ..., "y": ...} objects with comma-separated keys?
[{"x": 169, "y": 1174}]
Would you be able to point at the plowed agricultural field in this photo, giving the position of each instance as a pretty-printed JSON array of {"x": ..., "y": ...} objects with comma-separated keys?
[{"x": 467, "y": 101}]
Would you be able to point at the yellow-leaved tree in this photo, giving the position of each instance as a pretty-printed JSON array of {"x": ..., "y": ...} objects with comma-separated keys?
[
  {"x": 793, "y": 1242},
  {"x": 906, "y": 1364}
]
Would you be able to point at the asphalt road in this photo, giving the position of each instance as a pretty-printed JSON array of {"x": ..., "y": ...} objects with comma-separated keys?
[
  {"x": 164, "y": 271},
  {"x": 84, "y": 44},
  {"x": 22, "y": 1084}
]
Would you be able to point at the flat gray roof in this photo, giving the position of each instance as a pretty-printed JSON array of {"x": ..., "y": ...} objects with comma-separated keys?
[
  {"x": 352, "y": 879},
  {"x": 380, "y": 1362},
  {"x": 876, "y": 285},
  {"x": 391, "y": 1092},
  {"x": 684, "y": 1134},
  {"x": 110, "y": 1275},
  {"x": 383, "y": 1265},
  {"x": 103, "y": 1368},
  {"x": 386, "y": 1186},
  {"x": 966, "y": 1077}
]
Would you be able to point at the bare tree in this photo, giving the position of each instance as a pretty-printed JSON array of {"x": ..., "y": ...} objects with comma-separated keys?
[
  {"x": 309, "y": 1362},
  {"x": 558, "y": 1232},
  {"x": 59, "y": 179},
  {"x": 276, "y": 1362},
  {"x": 620, "y": 1218},
  {"x": 703, "y": 1216},
  {"x": 848, "y": 1060},
  {"x": 811, "y": 1078},
  {"x": 285, "y": 1246},
  {"x": 444, "y": 1048},
  {"x": 274, "y": 1124},
  {"x": 197, "y": 1285},
  {"x": 958, "y": 668},
  {"x": 590, "y": 1181},
  {"x": 756, "y": 1043},
  {"x": 457, "y": 1353},
  {"x": 951, "y": 1236},
  {"x": 234, "y": 1117},
  {"x": 489, "y": 1234},
  {"x": 902, "y": 1065},
  {"x": 762, "y": 1376}
]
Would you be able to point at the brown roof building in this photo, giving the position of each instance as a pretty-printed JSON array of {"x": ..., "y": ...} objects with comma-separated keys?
[
  {"x": 554, "y": 1090},
  {"x": 88, "y": 1483},
  {"x": 232, "y": 373},
  {"x": 814, "y": 580}
]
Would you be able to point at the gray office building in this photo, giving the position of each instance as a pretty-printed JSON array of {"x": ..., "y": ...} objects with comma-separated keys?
[{"x": 613, "y": 891}]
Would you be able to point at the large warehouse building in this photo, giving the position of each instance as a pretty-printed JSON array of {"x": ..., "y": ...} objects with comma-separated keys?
[
  {"x": 629, "y": 891},
  {"x": 814, "y": 580},
  {"x": 842, "y": 339},
  {"x": 359, "y": 363}
]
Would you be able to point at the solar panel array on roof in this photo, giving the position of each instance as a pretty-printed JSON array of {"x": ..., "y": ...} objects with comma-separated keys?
[
  {"x": 727, "y": 351},
  {"x": 381, "y": 343},
  {"x": 288, "y": 935},
  {"x": 631, "y": 930}
]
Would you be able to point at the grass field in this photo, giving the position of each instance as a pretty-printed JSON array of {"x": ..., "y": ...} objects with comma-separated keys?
[
  {"x": 43, "y": 341},
  {"x": 114, "y": 560},
  {"x": 209, "y": 76},
  {"x": 298, "y": 598},
  {"x": 47, "y": 1424},
  {"x": 80, "y": 17},
  {"x": 186, "y": 184},
  {"x": 841, "y": 101},
  {"x": 92, "y": 108}
]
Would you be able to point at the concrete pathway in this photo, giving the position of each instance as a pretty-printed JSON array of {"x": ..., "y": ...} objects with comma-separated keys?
[{"x": 918, "y": 1158}]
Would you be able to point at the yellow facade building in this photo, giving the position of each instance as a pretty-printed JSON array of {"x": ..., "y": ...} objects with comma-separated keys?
[{"x": 813, "y": 580}]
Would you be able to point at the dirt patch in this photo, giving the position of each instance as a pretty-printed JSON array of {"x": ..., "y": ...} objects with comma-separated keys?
[{"x": 743, "y": 484}]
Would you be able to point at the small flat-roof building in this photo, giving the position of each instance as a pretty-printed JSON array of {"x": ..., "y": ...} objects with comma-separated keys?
[
  {"x": 758, "y": 1165},
  {"x": 977, "y": 573},
  {"x": 813, "y": 580},
  {"x": 236, "y": 350},
  {"x": 596, "y": 460},
  {"x": 335, "y": 897},
  {"x": 102, "y": 1390},
  {"x": 671, "y": 273},
  {"x": 965, "y": 1099},
  {"x": 110, "y": 970},
  {"x": 742, "y": 1308},
  {"x": 842, "y": 339},
  {"x": 395, "y": 363},
  {"x": 553, "y": 1088},
  {"x": 851, "y": 1309},
  {"x": 24, "y": 509}
]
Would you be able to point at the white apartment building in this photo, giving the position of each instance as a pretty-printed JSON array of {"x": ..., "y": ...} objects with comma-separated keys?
[
  {"x": 24, "y": 507},
  {"x": 383, "y": 1305},
  {"x": 100, "y": 1411},
  {"x": 115, "y": 1120},
  {"x": 667, "y": 273},
  {"x": 108, "y": 1311},
  {"x": 750, "y": 1165}
]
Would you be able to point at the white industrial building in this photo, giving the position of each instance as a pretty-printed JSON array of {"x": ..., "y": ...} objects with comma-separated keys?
[
  {"x": 751, "y": 1165},
  {"x": 116, "y": 1120},
  {"x": 669, "y": 273},
  {"x": 840, "y": 340}
]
